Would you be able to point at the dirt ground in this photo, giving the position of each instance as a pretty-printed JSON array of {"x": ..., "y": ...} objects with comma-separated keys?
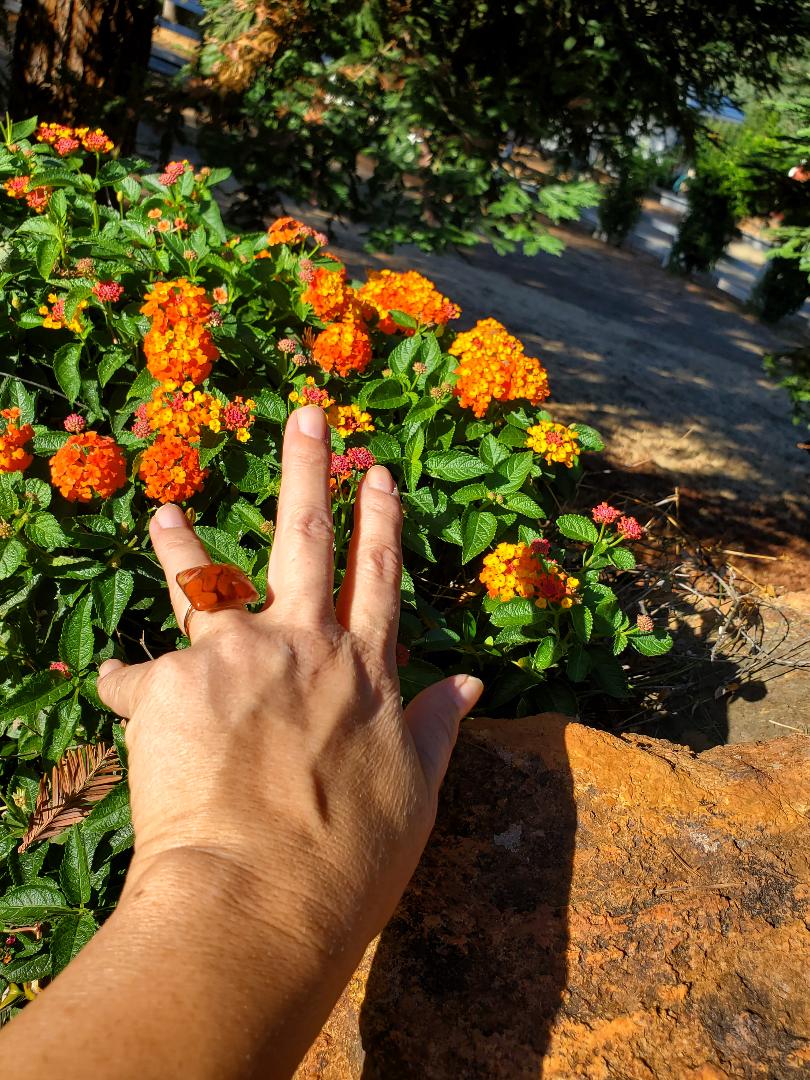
[{"x": 671, "y": 373}]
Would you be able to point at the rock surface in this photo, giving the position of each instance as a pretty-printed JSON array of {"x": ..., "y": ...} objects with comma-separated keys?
[{"x": 594, "y": 907}]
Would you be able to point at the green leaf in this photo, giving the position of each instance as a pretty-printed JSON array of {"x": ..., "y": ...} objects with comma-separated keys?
[
  {"x": 515, "y": 470},
  {"x": 576, "y": 527},
  {"x": 248, "y": 472},
  {"x": 515, "y": 612},
  {"x": 401, "y": 318},
  {"x": 492, "y": 452},
  {"x": 71, "y": 934},
  {"x": 470, "y": 493},
  {"x": 30, "y": 903},
  {"x": 523, "y": 504},
  {"x": 12, "y": 554},
  {"x": 142, "y": 387},
  {"x": 35, "y": 693},
  {"x": 578, "y": 664},
  {"x": 110, "y": 814},
  {"x": 76, "y": 639},
  {"x": 655, "y": 644},
  {"x": 478, "y": 532},
  {"x": 60, "y": 729},
  {"x": 453, "y": 465},
  {"x": 111, "y": 595},
  {"x": 384, "y": 447},
  {"x": 244, "y": 517},
  {"x": 382, "y": 394},
  {"x": 48, "y": 442},
  {"x": 544, "y": 653},
  {"x": 589, "y": 439},
  {"x": 21, "y": 399},
  {"x": 621, "y": 557},
  {"x": 66, "y": 369},
  {"x": 47, "y": 254},
  {"x": 215, "y": 445},
  {"x": 45, "y": 531},
  {"x": 582, "y": 618},
  {"x": 23, "y": 128},
  {"x": 223, "y": 548},
  {"x": 111, "y": 360},
  {"x": 74, "y": 872},
  {"x": 403, "y": 355},
  {"x": 412, "y": 459},
  {"x": 270, "y": 406}
]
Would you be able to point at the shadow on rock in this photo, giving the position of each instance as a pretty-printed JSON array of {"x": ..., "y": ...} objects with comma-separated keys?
[{"x": 468, "y": 976}]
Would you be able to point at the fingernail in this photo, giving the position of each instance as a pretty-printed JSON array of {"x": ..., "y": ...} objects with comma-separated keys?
[
  {"x": 380, "y": 479},
  {"x": 170, "y": 516},
  {"x": 312, "y": 422},
  {"x": 108, "y": 667}
]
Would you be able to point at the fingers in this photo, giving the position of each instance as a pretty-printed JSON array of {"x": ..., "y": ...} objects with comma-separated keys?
[
  {"x": 301, "y": 572},
  {"x": 177, "y": 548},
  {"x": 433, "y": 718},
  {"x": 368, "y": 604},
  {"x": 118, "y": 685}
]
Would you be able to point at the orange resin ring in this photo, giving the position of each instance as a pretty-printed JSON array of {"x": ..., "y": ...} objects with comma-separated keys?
[{"x": 215, "y": 587}]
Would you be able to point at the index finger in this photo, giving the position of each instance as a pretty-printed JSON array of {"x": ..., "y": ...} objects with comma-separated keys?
[{"x": 301, "y": 573}]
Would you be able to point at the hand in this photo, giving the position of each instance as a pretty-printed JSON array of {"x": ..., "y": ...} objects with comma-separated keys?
[{"x": 272, "y": 757}]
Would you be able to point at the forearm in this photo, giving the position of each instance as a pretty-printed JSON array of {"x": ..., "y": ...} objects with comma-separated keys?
[{"x": 185, "y": 979}]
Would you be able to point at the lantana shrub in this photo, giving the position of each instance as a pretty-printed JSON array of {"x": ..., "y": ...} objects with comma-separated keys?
[{"x": 150, "y": 355}]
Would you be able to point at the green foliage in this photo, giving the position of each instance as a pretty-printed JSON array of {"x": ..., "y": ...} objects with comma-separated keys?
[
  {"x": 791, "y": 370},
  {"x": 620, "y": 206},
  {"x": 78, "y": 580},
  {"x": 427, "y": 121},
  {"x": 714, "y": 209}
]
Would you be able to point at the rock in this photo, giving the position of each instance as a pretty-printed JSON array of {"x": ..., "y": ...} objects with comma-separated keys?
[{"x": 594, "y": 907}]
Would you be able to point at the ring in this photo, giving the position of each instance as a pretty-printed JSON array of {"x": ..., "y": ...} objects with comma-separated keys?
[{"x": 215, "y": 587}]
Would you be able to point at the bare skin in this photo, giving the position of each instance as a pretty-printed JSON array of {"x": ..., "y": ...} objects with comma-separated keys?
[{"x": 281, "y": 800}]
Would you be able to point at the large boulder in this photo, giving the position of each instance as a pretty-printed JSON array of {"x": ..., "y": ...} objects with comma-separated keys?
[{"x": 594, "y": 907}]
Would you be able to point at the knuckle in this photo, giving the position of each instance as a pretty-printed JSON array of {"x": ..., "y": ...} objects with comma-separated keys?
[
  {"x": 383, "y": 562},
  {"x": 311, "y": 523}
]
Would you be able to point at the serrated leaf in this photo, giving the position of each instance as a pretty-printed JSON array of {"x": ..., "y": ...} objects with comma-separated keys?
[
  {"x": 382, "y": 394},
  {"x": 412, "y": 459},
  {"x": 76, "y": 638},
  {"x": 453, "y": 465},
  {"x": 514, "y": 471},
  {"x": 111, "y": 595},
  {"x": 655, "y": 644},
  {"x": 515, "y": 612},
  {"x": 492, "y": 452},
  {"x": 223, "y": 548},
  {"x": 582, "y": 619},
  {"x": 12, "y": 554},
  {"x": 470, "y": 493},
  {"x": 60, "y": 729},
  {"x": 525, "y": 505},
  {"x": 110, "y": 362},
  {"x": 74, "y": 872},
  {"x": 544, "y": 653},
  {"x": 212, "y": 447},
  {"x": 45, "y": 531},
  {"x": 47, "y": 254},
  {"x": 623, "y": 558},
  {"x": 247, "y": 472},
  {"x": 48, "y": 442},
  {"x": 576, "y": 527},
  {"x": 578, "y": 664},
  {"x": 35, "y": 693},
  {"x": 109, "y": 815},
  {"x": 28, "y": 968},
  {"x": 31, "y": 903},
  {"x": 70, "y": 935},
  {"x": 385, "y": 447},
  {"x": 66, "y": 370},
  {"x": 403, "y": 355},
  {"x": 270, "y": 406},
  {"x": 589, "y": 438},
  {"x": 477, "y": 533}
]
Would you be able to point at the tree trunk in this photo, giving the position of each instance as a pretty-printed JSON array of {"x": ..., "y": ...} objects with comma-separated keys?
[{"x": 83, "y": 62}]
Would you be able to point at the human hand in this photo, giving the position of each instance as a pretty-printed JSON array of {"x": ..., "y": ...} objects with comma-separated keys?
[{"x": 273, "y": 754}]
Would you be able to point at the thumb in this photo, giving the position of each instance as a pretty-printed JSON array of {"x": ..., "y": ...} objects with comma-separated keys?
[
  {"x": 118, "y": 685},
  {"x": 433, "y": 718}
]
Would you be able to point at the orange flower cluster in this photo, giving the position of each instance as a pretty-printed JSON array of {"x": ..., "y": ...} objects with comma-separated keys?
[
  {"x": 18, "y": 187},
  {"x": 311, "y": 394},
  {"x": 13, "y": 455},
  {"x": 330, "y": 296},
  {"x": 342, "y": 348},
  {"x": 88, "y": 464},
  {"x": 66, "y": 140},
  {"x": 183, "y": 412},
  {"x": 178, "y": 345},
  {"x": 289, "y": 230},
  {"x": 54, "y": 316},
  {"x": 518, "y": 570},
  {"x": 493, "y": 367},
  {"x": 170, "y": 468},
  {"x": 557, "y": 443},
  {"x": 409, "y": 292},
  {"x": 349, "y": 420}
]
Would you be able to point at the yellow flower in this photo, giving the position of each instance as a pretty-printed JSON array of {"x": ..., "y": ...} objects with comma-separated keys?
[
  {"x": 349, "y": 420},
  {"x": 558, "y": 444}
]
